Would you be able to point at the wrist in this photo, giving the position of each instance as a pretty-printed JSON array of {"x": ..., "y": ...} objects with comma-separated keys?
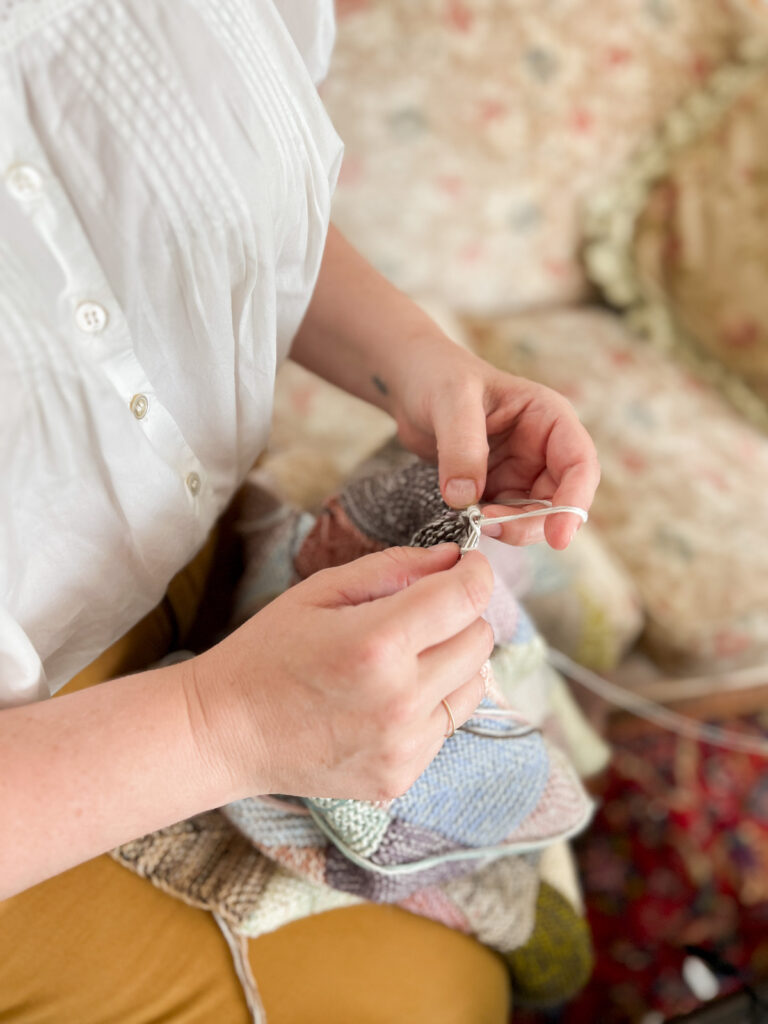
[{"x": 224, "y": 744}]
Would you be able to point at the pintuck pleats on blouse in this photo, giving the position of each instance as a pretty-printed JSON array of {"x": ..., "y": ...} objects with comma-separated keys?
[{"x": 167, "y": 170}]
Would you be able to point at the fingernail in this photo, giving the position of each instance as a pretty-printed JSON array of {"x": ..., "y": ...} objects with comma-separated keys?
[
  {"x": 460, "y": 492},
  {"x": 492, "y": 530}
]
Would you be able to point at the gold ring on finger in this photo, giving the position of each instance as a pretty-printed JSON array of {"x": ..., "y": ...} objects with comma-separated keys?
[{"x": 450, "y": 716}]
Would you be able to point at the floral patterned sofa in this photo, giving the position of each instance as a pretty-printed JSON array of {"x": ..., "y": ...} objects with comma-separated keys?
[
  {"x": 548, "y": 181},
  {"x": 578, "y": 190}
]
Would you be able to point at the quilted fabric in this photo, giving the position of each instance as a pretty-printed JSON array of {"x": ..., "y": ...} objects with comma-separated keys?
[
  {"x": 403, "y": 832},
  {"x": 681, "y": 504},
  {"x": 478, "y": 793},
  {"x": 498, "y": 928},
  {"x": 474, "y": 131},
  {"x": 262, "y": 862}
]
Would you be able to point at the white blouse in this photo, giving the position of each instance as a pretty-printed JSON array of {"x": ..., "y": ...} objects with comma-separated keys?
[{"x": 168, "y": 170}]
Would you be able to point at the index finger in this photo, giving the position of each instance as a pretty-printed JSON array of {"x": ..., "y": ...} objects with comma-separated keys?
[{"x": 439, "y": 606}]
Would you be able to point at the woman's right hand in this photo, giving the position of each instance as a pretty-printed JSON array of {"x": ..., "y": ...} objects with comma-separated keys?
[{"x": 335, "y": 688}]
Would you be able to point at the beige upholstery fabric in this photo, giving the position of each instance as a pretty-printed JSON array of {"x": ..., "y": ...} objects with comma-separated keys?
[
  {"x": 474, "y": 130},
  {"x": 680, "y": 237},
  {"x": 682, "y": 503}
]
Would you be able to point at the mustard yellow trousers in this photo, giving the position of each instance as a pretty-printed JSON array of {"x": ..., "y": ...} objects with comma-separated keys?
[{"x": 99, "y": 944}]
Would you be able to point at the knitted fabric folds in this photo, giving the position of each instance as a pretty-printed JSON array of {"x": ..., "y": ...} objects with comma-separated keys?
[{"x": 460, "y": 846}]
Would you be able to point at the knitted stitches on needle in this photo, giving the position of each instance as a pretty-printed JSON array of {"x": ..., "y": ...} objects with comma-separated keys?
[
  {"x": 393, "y": 506},
  {"x": 399, "y": 502}
]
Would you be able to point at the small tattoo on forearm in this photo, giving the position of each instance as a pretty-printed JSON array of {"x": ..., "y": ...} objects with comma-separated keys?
[{"x": 381, "y": 386}]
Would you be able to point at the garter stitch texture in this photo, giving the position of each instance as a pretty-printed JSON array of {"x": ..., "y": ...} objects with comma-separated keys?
[
  {"x": 392, "y": 507},
  {"x": 261, "y": 862}
]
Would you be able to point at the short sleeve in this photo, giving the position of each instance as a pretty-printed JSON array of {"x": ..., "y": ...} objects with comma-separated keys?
[
  {"x": 313, "y": 33},
  {"x": 22, "y": 677}
]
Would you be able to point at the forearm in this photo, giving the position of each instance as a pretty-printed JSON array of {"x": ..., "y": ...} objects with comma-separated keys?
[
  {"x": 359, "y": 329},
  {"x": 85, "y": 772}
]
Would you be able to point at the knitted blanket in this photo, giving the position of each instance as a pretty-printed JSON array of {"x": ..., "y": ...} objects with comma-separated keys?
[{"x": 462, "y": 845}]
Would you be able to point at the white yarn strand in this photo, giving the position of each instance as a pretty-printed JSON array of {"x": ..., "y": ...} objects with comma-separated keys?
[
  {"x": 238, "y": 946},
  {"x": 638, "y": 705},
  {"x": 675, "y": 722}
]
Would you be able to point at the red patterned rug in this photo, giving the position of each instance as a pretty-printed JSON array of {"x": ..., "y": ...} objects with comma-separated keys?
[{"x": 677, "y": 856}]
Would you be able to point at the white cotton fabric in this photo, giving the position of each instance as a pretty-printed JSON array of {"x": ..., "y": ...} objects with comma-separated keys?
[{"x": 166, "y": 171}]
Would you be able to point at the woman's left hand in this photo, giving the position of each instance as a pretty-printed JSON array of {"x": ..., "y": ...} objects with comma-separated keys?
[{"x": 496, "y": 436}]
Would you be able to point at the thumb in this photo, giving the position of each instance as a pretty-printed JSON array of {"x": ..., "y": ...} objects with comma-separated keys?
[
  {"x": 462, "y": 447},
  {"x": 379, "y": 575}
]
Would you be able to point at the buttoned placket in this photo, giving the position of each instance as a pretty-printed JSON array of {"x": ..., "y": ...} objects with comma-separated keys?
[{"x": 96, "y": 317}]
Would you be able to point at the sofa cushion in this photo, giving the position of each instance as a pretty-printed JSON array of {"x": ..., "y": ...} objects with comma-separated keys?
[
  {"x": 473, "y": 131},
  {"x": 682, "y": 503}
]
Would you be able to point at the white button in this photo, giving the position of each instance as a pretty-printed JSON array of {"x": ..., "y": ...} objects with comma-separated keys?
[
  {"x": 24, "y": 181},
  {"x": 139, "y": 406},
  {"x": 193, "y": 483},
  {"x": 91, "y": 317}
]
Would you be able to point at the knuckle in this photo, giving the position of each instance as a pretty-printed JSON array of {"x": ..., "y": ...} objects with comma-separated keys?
[
  {"x": 478, "y": 583},
  {"x": 400, "y": 560},
  {"x": 465, "y": 391},
  {"x": 471, "y": 446},
  {"x": 397, "y": 749},
  {"x": 374, "y": 654},
  {"x": 401, "y": 711},
  {"x": 475, "y": 594},
  {"x": 558, "y": 401},
  {"x": 465, "y": 396}
]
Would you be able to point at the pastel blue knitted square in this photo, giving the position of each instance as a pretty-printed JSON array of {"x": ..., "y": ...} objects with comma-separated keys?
[{"x": 477, "y": 790}]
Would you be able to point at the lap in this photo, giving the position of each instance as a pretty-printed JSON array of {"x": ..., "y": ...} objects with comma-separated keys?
[{"x": 100, "y": 944}]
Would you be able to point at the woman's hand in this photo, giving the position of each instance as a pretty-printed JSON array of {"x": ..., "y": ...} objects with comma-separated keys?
[
  {"x": 495, "y": 436},
  {"x": 335, "y": 688}
]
